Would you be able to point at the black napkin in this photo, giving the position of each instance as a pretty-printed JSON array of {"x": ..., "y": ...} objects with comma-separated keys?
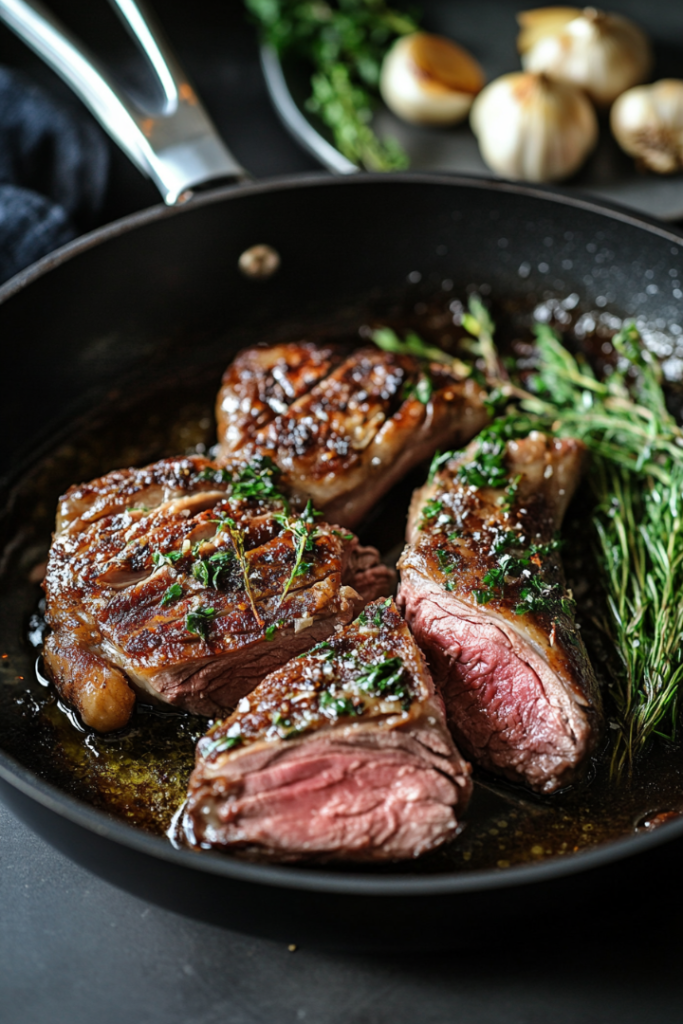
[{"x": 54, "y": 164}]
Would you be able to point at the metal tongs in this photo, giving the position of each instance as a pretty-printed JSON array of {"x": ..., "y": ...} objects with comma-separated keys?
[{"x": 177, "y": 147}]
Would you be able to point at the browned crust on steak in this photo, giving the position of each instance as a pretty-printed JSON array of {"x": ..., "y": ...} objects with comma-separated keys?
[
  {"x": 136, "y": 556},
  {"x": 347, "y": 436}
]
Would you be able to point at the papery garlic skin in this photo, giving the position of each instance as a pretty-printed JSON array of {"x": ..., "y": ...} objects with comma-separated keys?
[
  {"x": 427, "y": 79},
  {"x": 532, "y": 128},
  {"x": 604, "y": 54},
  {"x": 647, "y": 122}
]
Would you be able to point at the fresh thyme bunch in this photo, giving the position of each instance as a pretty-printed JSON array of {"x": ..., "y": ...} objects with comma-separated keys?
[
  {"x": 344, "y": 41},
  {"x": 636, "y": 475}
]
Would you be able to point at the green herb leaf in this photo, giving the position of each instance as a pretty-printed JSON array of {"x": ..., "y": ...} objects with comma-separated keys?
[
  {"x": 224, "y": 743},
  {"x": 166, "y": 557},
  {"x": 216, "y": 476},
  {"x": 338, "y": 706},
  {"x": 273, "y": 628},
  {"x": 197, "y": 621},
  {"x": 200, "y": 571},
  {"x": 386, "y": 679},
  {"x": 171, "y": 594}
]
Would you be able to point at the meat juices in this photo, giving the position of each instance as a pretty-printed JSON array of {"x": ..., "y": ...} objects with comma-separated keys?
[
  {"x": 189, "y": 583},
  {"x": 483, "y": 590},
  {"x": 343, "y": 429},
  {"x": 341, "y": 753}
]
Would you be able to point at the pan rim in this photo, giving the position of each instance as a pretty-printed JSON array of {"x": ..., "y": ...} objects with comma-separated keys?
[
  {"x": 324, "y": 880},
  {"x": 319, "y": 179}
]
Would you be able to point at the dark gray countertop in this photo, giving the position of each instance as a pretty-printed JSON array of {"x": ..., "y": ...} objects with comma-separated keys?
[{"x": 73, "y": 948}]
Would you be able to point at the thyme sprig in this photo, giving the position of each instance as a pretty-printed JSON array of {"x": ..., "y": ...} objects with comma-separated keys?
[
  {"x": 637, "y": 479},
  {"x": 237, "y": 538},
  {"x": 343, "y": 42},
  {"x": 303, "y": 531}
]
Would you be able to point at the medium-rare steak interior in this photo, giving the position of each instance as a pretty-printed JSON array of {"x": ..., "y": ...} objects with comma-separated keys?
[
  {"x": 483, "y": 590},
  {"x": 341, "y": 753},
  {"x": 343, "y": 428},
  {"x": 188, "y": 583}
]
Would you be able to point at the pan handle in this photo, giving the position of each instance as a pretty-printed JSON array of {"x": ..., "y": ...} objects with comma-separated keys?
[{"x": 178, "y": 147}]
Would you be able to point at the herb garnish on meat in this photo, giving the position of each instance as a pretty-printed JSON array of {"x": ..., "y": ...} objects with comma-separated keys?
[
  {"x": 303, "y": 530},
  {"x": 197, "y": 621}
]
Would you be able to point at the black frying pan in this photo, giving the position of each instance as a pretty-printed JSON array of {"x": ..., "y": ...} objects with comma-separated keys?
[{"x": 158, "y": 297}]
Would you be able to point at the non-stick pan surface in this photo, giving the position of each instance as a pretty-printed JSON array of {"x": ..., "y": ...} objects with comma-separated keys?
[{"x": 158, "y": 297}]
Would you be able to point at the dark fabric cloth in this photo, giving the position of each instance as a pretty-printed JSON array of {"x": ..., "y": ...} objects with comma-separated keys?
[{"x": 54, "y": 164}]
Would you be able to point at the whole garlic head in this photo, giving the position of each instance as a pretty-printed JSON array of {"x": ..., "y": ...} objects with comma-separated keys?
[
  {"x": 427, "y": 79},
  {"x": 532, "y": 128},
  {"x": 647, "y": 122},
  {"x": 602, "y": 53}
]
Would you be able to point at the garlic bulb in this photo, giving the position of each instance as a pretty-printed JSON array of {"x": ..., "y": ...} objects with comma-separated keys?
[
  {"x": 647, "y": 122},
  {"x": 427, "y": 79},
  {"x": 532, "y": 128},
  {"x": 602, "y": 53}
]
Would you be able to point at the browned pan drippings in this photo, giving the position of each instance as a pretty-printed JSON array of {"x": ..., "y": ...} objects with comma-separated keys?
[{"x": 140, "y": 774}]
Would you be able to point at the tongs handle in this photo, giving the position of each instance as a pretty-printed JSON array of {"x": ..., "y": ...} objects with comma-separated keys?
[{"x": 177, "y": 147}]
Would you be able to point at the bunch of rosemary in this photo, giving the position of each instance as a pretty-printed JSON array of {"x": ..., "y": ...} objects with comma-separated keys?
[
  {"x": 344, "y": 41},
  {"x": 636, "y": 474}
]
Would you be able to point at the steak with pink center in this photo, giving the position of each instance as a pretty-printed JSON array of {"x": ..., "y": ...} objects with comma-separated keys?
[
  {"x": 341, "y": 754},
  {"x": 484, "y": 593}
]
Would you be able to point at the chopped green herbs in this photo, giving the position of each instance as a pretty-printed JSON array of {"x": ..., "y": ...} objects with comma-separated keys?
[
  {"x": 448, "y": 562},
  {"x": 536, "y": 597},
  {"x": 338, "y": 706},
  {"x": 509, "y": 538},
  {"x": 200, "y": 571},
  {"x": 343, "y": 536},
  {"x": 430, "y": 510},
  {"x": 224, "y": 743},
  {"x": 258, "y": 480},
  {"x": 487, "y": 467},
  {"x": 216, "y": 476},
  {"x": 511, "y": 493},
  {"x": 160, "y": 558},
  {"x": 387, "y": 680},
  {"x": 171, "y": 594},
  {"x": 198, "y": 621},
  {"x": 438, "y": 462},
  {"x": 273, "y": 628}
]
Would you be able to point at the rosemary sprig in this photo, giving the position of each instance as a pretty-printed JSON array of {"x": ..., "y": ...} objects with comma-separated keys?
[
  {"x": 637, "y": 478},
  {"x": 413, "y": 345},
  {"x": 344, "y": 43},
  {"x": 478, "y": 322}
]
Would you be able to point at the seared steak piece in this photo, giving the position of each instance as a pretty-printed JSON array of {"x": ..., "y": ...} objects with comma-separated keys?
[
  {"x": 484, "y": 593},
  {"x": 343, "y": 753},
  {"x": 343, "y": 430},
  {"x": 190, "y": 583}
]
